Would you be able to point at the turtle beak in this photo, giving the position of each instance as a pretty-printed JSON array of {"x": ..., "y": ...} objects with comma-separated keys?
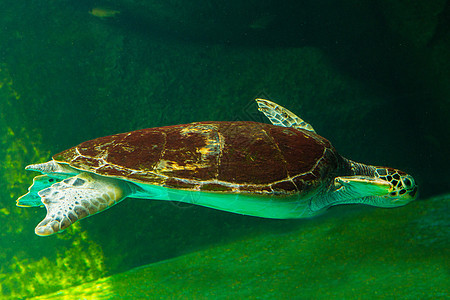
[
  {"x": 403, "y": 199},
  {"x": 413, "y": 194}
]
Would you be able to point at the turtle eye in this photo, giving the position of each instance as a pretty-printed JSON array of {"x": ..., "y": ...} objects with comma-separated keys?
[{"x": 408, "y": 182}]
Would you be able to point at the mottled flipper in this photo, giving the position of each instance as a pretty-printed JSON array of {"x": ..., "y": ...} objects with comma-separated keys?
[
  {"x": 353, "y": 189},
  {"x": 76, "y": 198},
  {"x": 281, "y": 116},
  {"x": 40, "y": 182},
  {"x": 362, "y": 186}
]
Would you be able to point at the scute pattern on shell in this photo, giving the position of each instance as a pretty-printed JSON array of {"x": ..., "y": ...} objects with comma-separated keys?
[{"x": 244, "y": 157}]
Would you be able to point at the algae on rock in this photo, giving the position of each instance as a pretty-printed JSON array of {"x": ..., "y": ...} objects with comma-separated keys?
[{"x": 74, "y": 259}]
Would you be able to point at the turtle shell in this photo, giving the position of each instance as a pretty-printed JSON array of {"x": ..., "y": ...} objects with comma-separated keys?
[{"x": 239, "y": 157}]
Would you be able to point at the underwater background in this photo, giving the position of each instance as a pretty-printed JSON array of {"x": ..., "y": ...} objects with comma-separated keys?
[{"x": 373, "y": 77}]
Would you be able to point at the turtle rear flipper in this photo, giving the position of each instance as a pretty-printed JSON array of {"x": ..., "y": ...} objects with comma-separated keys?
[
  {"x": 76, "y": 198},
  {"x": 31, "y": 198}
]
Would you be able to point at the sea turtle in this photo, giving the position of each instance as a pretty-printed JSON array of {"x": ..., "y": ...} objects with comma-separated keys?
[{"x": 280, "y": 170}]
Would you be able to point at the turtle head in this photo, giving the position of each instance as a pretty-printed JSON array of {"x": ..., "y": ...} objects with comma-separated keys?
[{"x": 403, "y": 187}]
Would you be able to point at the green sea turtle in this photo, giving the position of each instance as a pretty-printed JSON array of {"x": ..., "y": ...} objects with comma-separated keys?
[{"x": 280, "y": 170}]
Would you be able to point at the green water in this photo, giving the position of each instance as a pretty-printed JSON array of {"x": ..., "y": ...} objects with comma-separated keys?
[
  {"x": 344, "y": 255},
  {"x": 371, "y": 77}
]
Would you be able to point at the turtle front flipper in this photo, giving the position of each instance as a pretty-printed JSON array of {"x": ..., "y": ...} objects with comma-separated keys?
[
  {"x": 351, "y": 190},
  {"x": 280, "y": 116},
  {"x": 360, "y": 189},
  {"x": 361, "y": 186},
  {"x": 76, "y": 198}
]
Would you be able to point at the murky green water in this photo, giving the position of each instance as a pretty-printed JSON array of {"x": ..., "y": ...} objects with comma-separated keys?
[{"x": 370, "y": 77}]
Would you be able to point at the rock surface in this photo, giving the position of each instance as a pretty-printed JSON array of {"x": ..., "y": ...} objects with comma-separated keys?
[{"x": 399, "y": 253}]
